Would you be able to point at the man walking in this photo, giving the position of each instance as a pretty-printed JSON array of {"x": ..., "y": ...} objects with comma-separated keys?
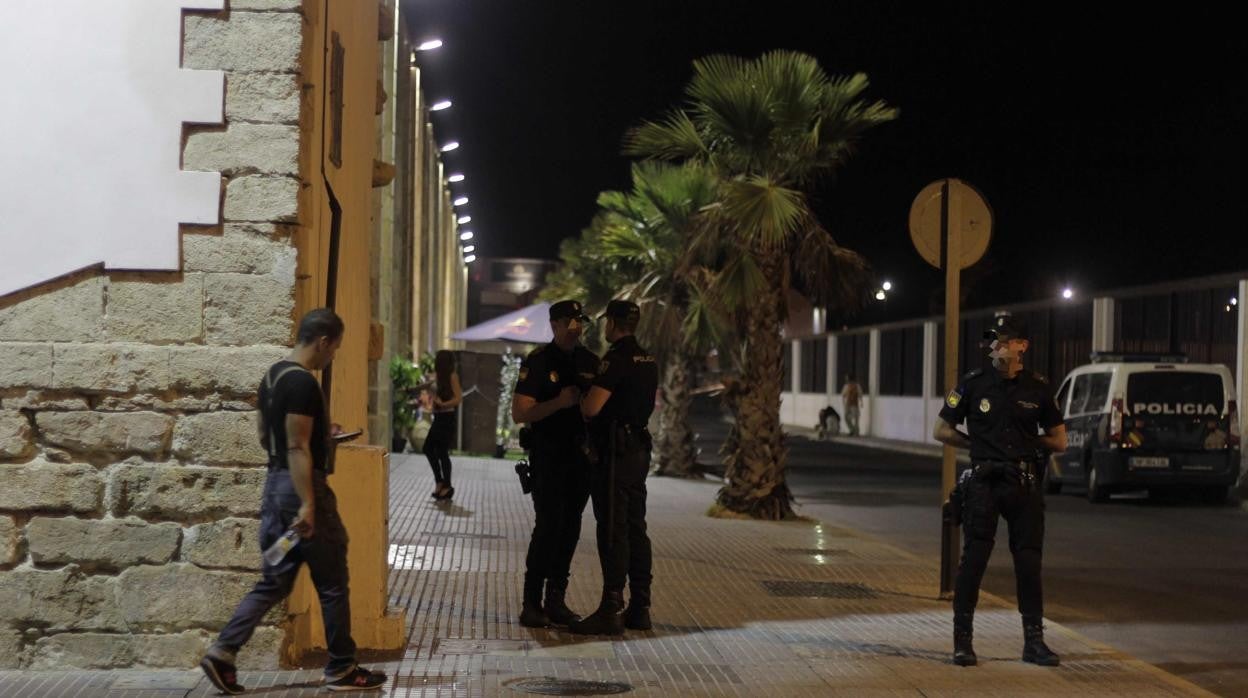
[
  {"x": 851, "y": 395},
  {"x": 619, "y": 405},
  {"x": 295, "y": 430}
]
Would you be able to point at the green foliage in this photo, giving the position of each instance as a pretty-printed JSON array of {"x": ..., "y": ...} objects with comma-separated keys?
[{"x": 406, "y": 378}]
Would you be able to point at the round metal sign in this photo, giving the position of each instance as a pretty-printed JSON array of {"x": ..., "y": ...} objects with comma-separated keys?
[{"x": 970, "y": 223}]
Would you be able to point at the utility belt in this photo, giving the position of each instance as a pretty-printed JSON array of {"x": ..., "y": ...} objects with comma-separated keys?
[
  {"x": 984, "y": 469},
  {"x": 1027, "y": 474}
]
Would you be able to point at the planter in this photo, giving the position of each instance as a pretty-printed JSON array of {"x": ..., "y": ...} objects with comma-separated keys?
[{"x": 398, "y": 444}]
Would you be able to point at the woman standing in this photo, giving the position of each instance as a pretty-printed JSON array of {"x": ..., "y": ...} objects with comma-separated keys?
[{"x": 447, "y": 396}]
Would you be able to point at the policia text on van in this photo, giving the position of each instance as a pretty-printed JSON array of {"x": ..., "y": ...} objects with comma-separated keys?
[{"x": 1150, "y": 421}]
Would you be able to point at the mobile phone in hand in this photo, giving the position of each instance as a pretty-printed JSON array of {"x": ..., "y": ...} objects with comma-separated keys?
[{"x": 347, "y": 435}]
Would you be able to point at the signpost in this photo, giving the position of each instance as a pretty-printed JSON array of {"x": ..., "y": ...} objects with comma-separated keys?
[{"x": 950, "y": 225}]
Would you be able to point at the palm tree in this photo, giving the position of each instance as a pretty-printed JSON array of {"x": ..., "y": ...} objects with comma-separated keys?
[
  {"x": 769, "y": 128},
  {"x": 655, "y": 224}
]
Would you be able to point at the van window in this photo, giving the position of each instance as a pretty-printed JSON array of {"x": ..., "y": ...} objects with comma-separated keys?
[
  {"x": 1098, "y": 392},
  {"x": 1079, "y": 393},
  {"x": 1061, "y": 396},
  {"x": 1185, "y": 393}
]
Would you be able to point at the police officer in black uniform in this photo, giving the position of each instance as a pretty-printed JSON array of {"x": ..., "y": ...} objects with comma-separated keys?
[
  {"x": 553, "y": 378},
  {"x": 619, "y": 406},
  {"x": 1005, "y": 408}
]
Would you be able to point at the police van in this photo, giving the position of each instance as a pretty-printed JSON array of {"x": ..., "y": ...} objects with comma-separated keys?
[{"x": 1155, "y": 422}]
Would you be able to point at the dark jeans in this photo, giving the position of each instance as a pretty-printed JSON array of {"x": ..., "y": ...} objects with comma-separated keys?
[
  {"x": 1002, "y": 493},
  {"x": 620, "y": 511},
  {"x": 560, "y": 492},
  {"x": 438, "y": 446},
  {"x": 326, "y": 556}
]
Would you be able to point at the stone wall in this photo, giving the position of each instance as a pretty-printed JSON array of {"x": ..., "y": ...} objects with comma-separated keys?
[{"x": 130, "y": 475}]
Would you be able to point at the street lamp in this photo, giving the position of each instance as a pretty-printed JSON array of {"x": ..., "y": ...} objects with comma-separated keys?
[
  {"x": 460, "y": 201},
  {"x": 450, "y": 146},
  {"x": 470, "y": 259},
  {"x": 463, "y": 219},
  {"x": 466, "y": 235},
  {"x": 429, "y": 45},
  {"x": 880, "y": 295},
  {"x": 457, "y": 177},
  {"x": 888, "y": 285},
  {"x": 439, "y": 106},
  {"x": 1068, "y": 293},
  {"x": 470, "y": 248}
]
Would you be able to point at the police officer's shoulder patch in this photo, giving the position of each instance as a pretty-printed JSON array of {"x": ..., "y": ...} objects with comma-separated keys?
[{"x": 954, "y": 398}]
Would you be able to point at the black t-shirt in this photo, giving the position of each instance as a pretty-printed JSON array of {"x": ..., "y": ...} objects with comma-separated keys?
[
  {"x": 295, "y": 392},
  {"x": 630, "y": 373},
  {"x": 1003, "y": 415},
  {"x": 544, "y": 373}
]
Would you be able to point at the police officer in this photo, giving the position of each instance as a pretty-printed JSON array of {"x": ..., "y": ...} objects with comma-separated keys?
[
  {"x": 552, "y": 380},
  {"x": 619, "y": 406},
  {"x": 1005, "y": 408}
]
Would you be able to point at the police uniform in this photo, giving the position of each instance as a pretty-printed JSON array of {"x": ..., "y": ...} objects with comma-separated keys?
[
  {"x": 560, "y": 468},
  {"x": 1003, "y": 417},
  {"x": 622, "y": 446}
]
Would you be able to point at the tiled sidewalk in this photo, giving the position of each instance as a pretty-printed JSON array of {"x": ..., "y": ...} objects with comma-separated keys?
[{"x": 741, "y": 608}]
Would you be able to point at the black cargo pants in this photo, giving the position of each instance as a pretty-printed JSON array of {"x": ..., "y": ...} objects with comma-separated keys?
[{"x": 1001, "y": 490}]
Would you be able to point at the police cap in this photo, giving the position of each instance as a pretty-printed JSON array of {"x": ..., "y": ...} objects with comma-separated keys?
[
  {"x": 1007, "y": 327},
  {"x": 627, "y": 311},
  {"x": 568, "y": 309}
]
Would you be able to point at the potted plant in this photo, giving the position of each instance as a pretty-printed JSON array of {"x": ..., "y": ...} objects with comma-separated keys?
[{"x": 406, "y": 379}]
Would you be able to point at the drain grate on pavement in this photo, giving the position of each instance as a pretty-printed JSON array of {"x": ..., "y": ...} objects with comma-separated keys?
[
  {"x": 465, "y": 536},
  {"x": 830, "y": 552},
  {"x": 818, "y": 590},
  {"x": 550, "y": 686}
]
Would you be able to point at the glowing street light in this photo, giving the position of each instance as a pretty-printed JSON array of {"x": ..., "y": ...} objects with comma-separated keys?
[
  {"x": 1234, "y": 301},
  {"x": 460, "y": 201},
  {"x": 1068, "y": 293},
  {"x": 466, "y": 235},
  {"x": 888, "y": 285},
  {"x": 880, "y": 295},
  {"x": 429, "y": 45},
  {"x": 439, "y": 106},
  {"x": 457, "y": 177},
  {"x": 450, "y": 146},
  {"x": 470, "y": 248},
  {"x": 470, "y": 259},
  {"x": 463, "y": 219}
]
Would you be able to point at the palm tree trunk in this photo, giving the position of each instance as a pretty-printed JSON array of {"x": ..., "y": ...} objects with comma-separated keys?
[
  {"x": 755, "y": 462},
  {"x": 676, "y": 454}
]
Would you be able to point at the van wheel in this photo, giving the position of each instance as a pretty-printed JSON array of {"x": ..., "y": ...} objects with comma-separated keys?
[{"x": 1096, "y": 491}]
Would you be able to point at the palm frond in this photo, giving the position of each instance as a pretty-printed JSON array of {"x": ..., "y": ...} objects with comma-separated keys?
[
  {"x": 829, "y": 275},
  {"x": 673, "y": 138},
  {"x": 764, "y": 212}
]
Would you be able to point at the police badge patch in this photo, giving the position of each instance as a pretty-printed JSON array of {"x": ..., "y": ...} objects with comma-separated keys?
[
  {"x": 984, "y": 405},
  {"x": 953, "y": 399}
]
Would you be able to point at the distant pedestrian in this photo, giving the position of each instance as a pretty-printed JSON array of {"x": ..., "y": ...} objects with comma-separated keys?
[
  {"x": 851, "y": 394},
  {"x": 829, "y": 423},
  {"x": 294, "y": 428},
  {"x": 447, "y": 396}
]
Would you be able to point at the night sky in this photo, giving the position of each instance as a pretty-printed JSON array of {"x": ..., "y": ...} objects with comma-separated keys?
[{"x": 1109, "y": 143}]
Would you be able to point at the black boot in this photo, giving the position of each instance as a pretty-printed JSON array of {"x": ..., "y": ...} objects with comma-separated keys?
[
  {"x": 963, "y": 635},
  {"x": 532, "y": 616},
  {"x": 556, "y": 610},
  {"x": 607, "y": 620},
  {"x": 637, "y": 615},
  {"x": 1034, "y": 649}
]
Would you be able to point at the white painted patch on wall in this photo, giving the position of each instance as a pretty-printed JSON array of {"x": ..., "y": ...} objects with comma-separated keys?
[{"x": 91, "y": 113}]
